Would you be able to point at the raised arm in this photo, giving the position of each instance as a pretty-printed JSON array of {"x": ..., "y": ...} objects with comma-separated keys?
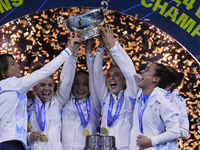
[
  {"x": 99, "y": 77},
  {"x": 25, "y": 83},
  {"x": 68, "y": 73},
  {"x": 90, "y": 65},
  {"x": 121, "y": 58}
]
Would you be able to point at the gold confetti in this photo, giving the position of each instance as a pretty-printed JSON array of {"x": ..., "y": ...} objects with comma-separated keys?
[{"x": 38, "y": 37}]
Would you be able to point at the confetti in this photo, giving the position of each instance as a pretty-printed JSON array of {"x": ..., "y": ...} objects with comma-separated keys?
[{"x": 38, "y": 37}]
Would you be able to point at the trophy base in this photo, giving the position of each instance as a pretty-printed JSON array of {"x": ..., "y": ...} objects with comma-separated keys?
[
  {"x": 100, "y": 142},
  {"x": 89, "y": 33}
]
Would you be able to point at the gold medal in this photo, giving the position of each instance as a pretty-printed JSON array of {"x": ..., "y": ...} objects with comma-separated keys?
[
  {"x": 85, "y": 132},
  {"x": 104, "y": 131},
  {"x": 28, "y": 127},
  {"x": 44, "y": 137}
]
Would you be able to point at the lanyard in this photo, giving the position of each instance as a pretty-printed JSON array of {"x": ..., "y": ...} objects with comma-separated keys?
[
  {"x": 110, "y": 109},
  {"x": 80, "y": 112},
  {"x": 41, "y": 121},
  {"x": 141, "y": 111},
  {"x": 28, "y": 115}
]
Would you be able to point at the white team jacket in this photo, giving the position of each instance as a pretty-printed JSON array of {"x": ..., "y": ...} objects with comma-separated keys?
[
  {"x": 122, "y": 126},
  {"x": 183, "y": 117},
  {"x": 72, "y": 136},
  {"x": 13, "y": 100},
  {"x": 160, "y": 122},
  {"x": 52, "y": 111}
]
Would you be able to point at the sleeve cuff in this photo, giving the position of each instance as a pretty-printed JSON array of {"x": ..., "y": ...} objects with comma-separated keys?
[
  {"x": 153, "y": 141},
  {"x": 100, "y": 49},
  {"x": 90, "y": 55},
  {"x": 67, "y": 51},
  {"x": 114, "y": 47},
  {"x": 28, "y": 138}
]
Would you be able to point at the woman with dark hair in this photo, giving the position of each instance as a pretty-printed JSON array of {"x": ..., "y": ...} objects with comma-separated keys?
[
  {"x": 115, "y": 90},
  {"x": 155, "y": 117},
  {"x": 81, "y": 112},
  {"x": 13, "y": 100},
  {"x": 180, "y": 101}
]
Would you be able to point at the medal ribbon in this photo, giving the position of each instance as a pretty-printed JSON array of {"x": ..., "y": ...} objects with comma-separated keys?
[
  {"x": 80, "y": 112},
  {"x": 43, "y": 116},
  {"x": 141, "y": 111},
  {"x": 110, "y": 109},
  {"x": 28, "y": 115}
]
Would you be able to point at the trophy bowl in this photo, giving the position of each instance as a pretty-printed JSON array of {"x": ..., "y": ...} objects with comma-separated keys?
[{"x": 86, "y": 25}]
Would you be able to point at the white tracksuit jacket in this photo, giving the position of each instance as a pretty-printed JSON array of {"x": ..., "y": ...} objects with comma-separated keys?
[
  {"x": 122, "y": 126},
  {"x": 13, "y": 100},
  {"x": 53, "y": 111},
  {"x": 160, "y": 121},
  {"x": 183, "y": 117},
  {"x": 72, "y": 129}
]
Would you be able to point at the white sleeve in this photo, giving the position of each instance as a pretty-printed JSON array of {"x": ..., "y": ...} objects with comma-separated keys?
[
  {"x": 93, "y": 95},
  {"x": 99, "y": 77},
  {"x": 127, "y": 67},
  {"x": 169, "y": 117},
  {"x": 183, "y": 119},
  {"x": 24, "y": 84},
  {"x": 66, "y": 80}
]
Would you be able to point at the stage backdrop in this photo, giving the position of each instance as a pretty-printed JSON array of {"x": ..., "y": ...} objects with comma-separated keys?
[
  {"x": 38, "y": 37},
  {"x": 178, "y": 18}
]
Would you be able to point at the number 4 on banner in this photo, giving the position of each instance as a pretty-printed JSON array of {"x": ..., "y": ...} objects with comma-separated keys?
[{"x": 188, "y": 3}]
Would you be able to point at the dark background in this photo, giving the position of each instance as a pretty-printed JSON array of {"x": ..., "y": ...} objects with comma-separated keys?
[{"x": 130, "y": 7}]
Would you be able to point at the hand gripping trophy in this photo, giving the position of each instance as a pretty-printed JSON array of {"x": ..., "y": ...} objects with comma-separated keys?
[{"x": 87, "y": 24}]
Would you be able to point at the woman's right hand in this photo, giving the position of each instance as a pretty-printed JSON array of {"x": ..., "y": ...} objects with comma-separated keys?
[
  {"x": 34, "y": 136},
  {"x": 73, "y": 45}
]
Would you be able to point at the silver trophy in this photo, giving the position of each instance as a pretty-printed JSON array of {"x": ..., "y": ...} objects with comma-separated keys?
[{"x": 87, "y": 24}]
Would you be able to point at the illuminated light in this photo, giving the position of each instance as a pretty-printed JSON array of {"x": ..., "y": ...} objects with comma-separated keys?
[
  {"x": 7, "y": 24},
  {"x": 151, "y": 27},
  {"x": 134, "y": 47},
  {"x": 125, "y": 32}
]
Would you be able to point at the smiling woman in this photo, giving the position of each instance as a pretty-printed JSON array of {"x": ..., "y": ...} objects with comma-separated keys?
[
  {"x": 38, "y": 37},
  {"x": 13, "y": 116},
  {"x": 9, "y": 67}
]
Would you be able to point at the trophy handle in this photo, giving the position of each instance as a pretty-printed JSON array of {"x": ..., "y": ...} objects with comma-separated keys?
[
  {"x": 58, "y": 20},
  {"x": 106, "y": 3}
]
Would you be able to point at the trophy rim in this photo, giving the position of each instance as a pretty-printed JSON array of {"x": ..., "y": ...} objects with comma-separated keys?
[{"x": 66, "y": 22}]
